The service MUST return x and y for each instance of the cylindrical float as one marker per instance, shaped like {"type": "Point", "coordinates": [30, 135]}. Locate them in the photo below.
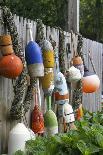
{"type": "Point", "coordinates": [48, 54]}
{"type": "Point", "coordinates": [61, 92]}
{"type": "Point", "coordinates": [33, 56]}
{"type": "Point", "coordinates": [90, 82]}
{"type": "Point", "coordinates": [48, 81]}
{"type": "Point", "coordinates": [68, 113]}
{"type": "Point", "coordinates": [6, 45]}
{"type": "Point", "coordinates": [34, 59]}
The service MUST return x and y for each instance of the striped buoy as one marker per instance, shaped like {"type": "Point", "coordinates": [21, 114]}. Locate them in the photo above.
{"type": "Point", "coordinates": [48, 81]}
{"type": "Point", "coordinates": [68, 113]}
{"type": "Point", "coordinates": [33, 56]}
{"type": "Point", "coordinates": [90, 82]}
{"type": "Point", "coordinates": [6, 45]}
{"type": "Point", "coordinates": [48, 54]}
{"type": "Point", "coordinates": [61, 92]}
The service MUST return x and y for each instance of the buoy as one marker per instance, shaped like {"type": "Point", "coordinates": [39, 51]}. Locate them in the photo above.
{"type": "Point", "coordinates": [48, 54]}
{"type": "Point", "coordinates": [37, 118]}
{"type": "Point", "coordinates": [90, 82]}
{"type": "Point", "coordinates": [73, 74]}
{"type": "Point", "coordinates": [17, 138]}
{"type": "Point", "coordinates": [61, 91]}
{"type": "Point", "coordinates": [50, 119]}
{"type": "Point", "coordinates": [33, 56]}
{"type": "Point", "coordinates": [10, 66]}
{"type": "Point", "coordinates": [47, 81]}
{"type": "Point", "coordinates": [79, 112]}
{"type": "Point", "coordinates": [78, 63]}
{"type": "Point", "coordinates": [68, 113]}
{"type": "Point", "coordinates": [6, 45]}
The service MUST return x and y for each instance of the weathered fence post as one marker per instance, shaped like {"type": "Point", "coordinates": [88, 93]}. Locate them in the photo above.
{"type": "Point", "coordinates": [73, 15]}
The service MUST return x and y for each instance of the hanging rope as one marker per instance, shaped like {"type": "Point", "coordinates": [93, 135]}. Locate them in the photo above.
{"type": "Point", "coordinates": [21, 81]}
{"type": "Point", "coordinates": [77, 93]}
{"type": "Point", "coordinates": [62, 51]}
{"type": "Point", "coordinates": [40, 32]}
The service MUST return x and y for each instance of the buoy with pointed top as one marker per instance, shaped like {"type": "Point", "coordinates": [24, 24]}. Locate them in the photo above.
{"type": "Point", "coordinates": [50, 119]}
{"type": "Point", "coordinates": [48, 54]}
{"type": "Point", "coordinates": [37, 118]}
{"type": "Point", "coordinates": [61, 91]}
{"type": "Point", "coordinates": [33, 56]}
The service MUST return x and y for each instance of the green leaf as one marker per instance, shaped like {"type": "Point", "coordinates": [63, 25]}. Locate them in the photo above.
{"type": "Point", "coordinates": [19, 152]}
{"type": "Point", "coordinates": [87, 149]}
{"type": "Point", "coordinates": [99, 139]}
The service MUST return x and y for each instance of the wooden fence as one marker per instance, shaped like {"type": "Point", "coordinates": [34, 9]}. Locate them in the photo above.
{"type": "Point", "coordinates": [91, 102]}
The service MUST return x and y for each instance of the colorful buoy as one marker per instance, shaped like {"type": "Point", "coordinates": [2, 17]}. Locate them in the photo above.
{"type": "Point", "coordinates": [48, 54]}
{"type": "Point", "coordinates": [48, 81]}
{"type": "Point", "coordinates": [10, 66]}
{"type": "Point", "coordinates": [61, 91]}
{"type": "Point", "coordinates": [33, 55]}
{"type": "Point", "coordinates": [37, 118]}
{"type": "Point", "coordinates": [90, 82]}
{"type": "Point", "coordinates": [50, 119]}
{"type": "Point", "coordinates": [34, 59]}
{"type": "Point", "coordinates": [68, 113]}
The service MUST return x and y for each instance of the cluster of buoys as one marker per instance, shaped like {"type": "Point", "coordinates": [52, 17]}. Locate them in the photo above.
{"type": "Point", "coordinates": [40, 63]}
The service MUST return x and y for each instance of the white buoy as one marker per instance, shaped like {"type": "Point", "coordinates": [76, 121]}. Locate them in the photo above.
{"type": "Point", "coordinates": [68, 113]}
{"type": "Point", "coordinates": [73, 74]}
{"type": "Point", "coordinates": [17, 138]}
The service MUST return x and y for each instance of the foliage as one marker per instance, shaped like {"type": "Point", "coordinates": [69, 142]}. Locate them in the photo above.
{"type": "Point", "coordinates": [19, 152]}
{"type": "Point", "coordinates": [86, 140]}
{"type": "Point", "coordinates": [91, 19]}
{"type": "Point", "coordinates": [55, 13]}
{"type": "Point", "coordinates": [51, 12]}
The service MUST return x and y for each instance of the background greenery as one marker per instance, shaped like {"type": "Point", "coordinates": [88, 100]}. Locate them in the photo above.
{"type": "Point", "coordinates": [54, 13]}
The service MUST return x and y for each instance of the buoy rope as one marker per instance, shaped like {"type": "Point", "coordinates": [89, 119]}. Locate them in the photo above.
{"type": "Point", "coordinates": [21, 82]}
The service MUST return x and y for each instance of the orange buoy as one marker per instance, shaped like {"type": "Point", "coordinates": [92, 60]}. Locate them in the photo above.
{"type": "Point", "coordinates": [90, 82]}
{"type": "Point", "coordinates": [6, 45]}
{"type": "Point", "coordinates": [78, 63]}
{"type": "Point", "coordinates": [37, 119]}
{"type": "Point", "coordinates": [10, 66]}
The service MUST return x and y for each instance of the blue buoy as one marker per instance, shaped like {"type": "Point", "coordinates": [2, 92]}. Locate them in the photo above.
{"type": "Point", "coordinates": [33, 54]}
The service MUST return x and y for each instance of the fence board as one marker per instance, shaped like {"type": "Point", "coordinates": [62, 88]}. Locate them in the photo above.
{"type": "Point", "coordinates": [92, 102]}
